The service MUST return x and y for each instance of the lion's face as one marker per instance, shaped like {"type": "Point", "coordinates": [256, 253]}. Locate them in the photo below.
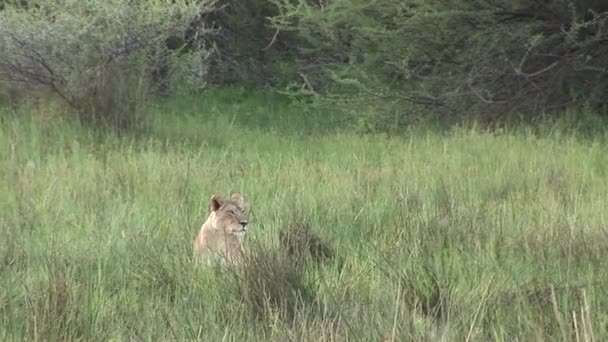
{"type": "Point", "coordinates": [230, 215]}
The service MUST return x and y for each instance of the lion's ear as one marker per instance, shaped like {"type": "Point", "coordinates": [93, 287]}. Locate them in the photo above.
{"type": "Point", "coordinates": [215, 202]}
{"type": "Point", "coordinates": [238, 198]}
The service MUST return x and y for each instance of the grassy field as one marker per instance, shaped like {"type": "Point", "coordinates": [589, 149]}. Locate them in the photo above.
{"type": "Point", "coordinates": [452, 235]}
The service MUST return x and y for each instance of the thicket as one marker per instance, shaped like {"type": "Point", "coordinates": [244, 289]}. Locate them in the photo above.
{"type": "Point", "coordinates": [100, 57]}
{"type": "Point", "coordinates": [486, 57]}
{"type": "Point", "coordinates": [491, 59]}
{"type": "Point", "coordinates": [248, 50]}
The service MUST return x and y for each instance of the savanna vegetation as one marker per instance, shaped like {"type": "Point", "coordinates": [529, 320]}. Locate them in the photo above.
{"type": "Point", "coordinates": [417, 170]}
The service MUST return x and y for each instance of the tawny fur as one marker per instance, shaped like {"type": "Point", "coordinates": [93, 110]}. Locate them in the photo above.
{"type": "Point", "coordinates": [221, 236]}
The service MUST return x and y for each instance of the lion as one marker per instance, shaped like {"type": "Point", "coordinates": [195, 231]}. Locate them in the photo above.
{"type": "Point", "coordinates": [221, 236]}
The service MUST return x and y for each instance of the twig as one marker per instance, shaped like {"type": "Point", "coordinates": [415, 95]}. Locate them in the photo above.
{"type": "Point", "coordinates": [578, 338]}
{"type": "Point", "coordinates": [307, 83]}
{"type": "Point", "coordinates": [485, 293]}
{"type": "Point", "coordinates": [584, 324]}
{"type": "Point", "coordinates": [519, 72]}
{"type": "Point", "coordinates": [396, 313]}
{"type": "Point", "coordinates": [273, 40]}
{"type": "Point", "coordinates": [558, 316]}
{"type": "Point", "coordinates": [586, 313]}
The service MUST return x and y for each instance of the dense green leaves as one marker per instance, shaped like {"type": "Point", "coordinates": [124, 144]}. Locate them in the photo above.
{"type": "Point", "coordinates": [97, 56]}
{"type": "Point", "coordinates": [487, 59]}
{"type": "Point", "coordinates": [482, 57]}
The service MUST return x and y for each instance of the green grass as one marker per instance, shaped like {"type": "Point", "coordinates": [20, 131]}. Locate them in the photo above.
{"type": "Point", "coordinates": [452, 235]}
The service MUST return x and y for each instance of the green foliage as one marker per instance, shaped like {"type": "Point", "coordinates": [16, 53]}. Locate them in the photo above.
{"type": "Point", "coordinates": [97, 56]}
{"type": "Point", "coordinates": [250, 50]}
{"type": "Point", "coordinates": [405, 61]}
{"type": "Point", "coordinates": [458, 58]}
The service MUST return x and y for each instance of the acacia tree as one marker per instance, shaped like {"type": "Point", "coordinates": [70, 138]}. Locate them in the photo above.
{"type": "Point", "coordinates": [98, 56]}
{"type": "Point", "coordinates": [489, 57]}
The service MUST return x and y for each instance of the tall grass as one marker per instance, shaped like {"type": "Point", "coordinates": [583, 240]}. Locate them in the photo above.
{"type": "Point", "coordinates": [458, 235]}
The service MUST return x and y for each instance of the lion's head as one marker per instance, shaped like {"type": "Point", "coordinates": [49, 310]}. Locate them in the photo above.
{"type": "Point", "coordinates": [229, 215]}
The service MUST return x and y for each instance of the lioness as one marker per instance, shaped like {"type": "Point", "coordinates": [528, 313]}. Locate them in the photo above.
{"type": "Point", "coordinates": [221, 236]}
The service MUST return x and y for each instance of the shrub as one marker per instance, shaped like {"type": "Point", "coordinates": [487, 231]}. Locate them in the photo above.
{"type": "Point", "coordinates": [249, 49]}
{"type": "Point", "coordinates": [98, 56]}
{"type": "Point", "coordinates": [461, 57]}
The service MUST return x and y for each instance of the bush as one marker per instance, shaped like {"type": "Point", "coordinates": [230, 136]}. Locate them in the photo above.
{"type": "Point", "coordinates": [491, 58]}
{"type": "Point", "coordinates": [249, 49]}
{"type": "Point", "coordinates": [98, 56]}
